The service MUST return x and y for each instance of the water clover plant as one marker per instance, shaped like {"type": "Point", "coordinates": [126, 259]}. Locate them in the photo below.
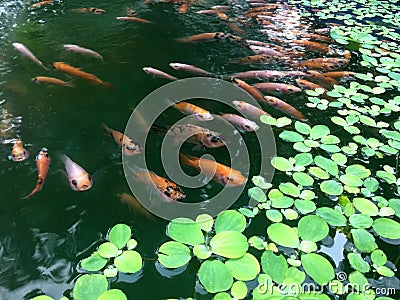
{"type": "Point", "coordinates": [219, 245]}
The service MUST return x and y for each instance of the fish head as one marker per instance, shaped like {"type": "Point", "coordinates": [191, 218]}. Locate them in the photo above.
{"type": "Point", "coordinates": [82, 183]}
{"type": "Point", "coordinates": [68, 47]}
{"type": "Point", "coordinates": [215, 140]}
{"type": "Point", "coordinates": [234, 179]}
{"type": "Point", "coordinates": [238, 104]}
{"type": "Point", "coordinates": [43, 155]}
{"type": "Point", "coordinates": [18, 152]}
{"type": "Point", "coordinates": [248, 125]}
{"type": "Point", "coordinates": [204, 116]}
{"type": "Point", "coordinates": [34, 79]}
{"type": "Point", "coordinates": [175, 66]}
{"type": "Point", "coordinates": [17, 46]}
{"type": "Point", "coordinates": [95, 10]}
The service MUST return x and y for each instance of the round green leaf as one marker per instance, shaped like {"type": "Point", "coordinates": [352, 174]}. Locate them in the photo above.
{"type": "Point", "coordinates": [308, 246]}
{"type": "Point", "coordinates": [385, 271]}
{"type": "Point", "coordinates": [378, 257]}
{"type": "Point", "coordinates": [173, 254]}
{"type": "Point", "coordinates": [131, 244]}
{"type": "Point", "coordinates": [42, 297]}
{"type": "Point", "coordinates": [358, 263]}
{"type": "Point", "coordinates": [283, 235]}
{"type": "Point", "coordinates": [331, 216]}
{"type": "Point", "coordinates": [303, 128]}
{"type": "Point", "coordinates": [339, 158]}
{"type": "Point", "coordinates": [351, 180]}
{"type": "Point", "coordinates": [230, 220]}
{"type": "Point", "coordinates": [303, 159]}
{"type": "Point", "coordinates": [110, 272]}
{"type": "Point", "coordinates": [371, 184]}
{"type": "Point", "coordinates": [327, 164]}
{"type": "Point", "coordinates": [290, 214]}
{"type": "Point", "coordinates": [319, 131]}
{"type": "Point", "coordinates": [108, 250]}
{"type": "Point", "coordinates": [303, 179]}
{"type": "Point", "coordinates": [318, 268]}
{"type": "Point", "coordinates": [304, 206]}
{"type": "Point", "coordinates": [223, 295]}
{"type": "Point", "coordinates": [94, 262]}
{"type": "Point", "coordinates": [363, 240]}
{"type": "Point", "coordinates": [205, 222]}
{"type": "Point", "coordinates": [113, 294]}
{"type": "Point", "coordinates": [239, 290]}
{"type": "Point", "coordinates": [395, 205]}
{"type": "Point", "coordinates": [291, 136]}
{"type": "Point", "coordinates": [365, 206]}
{"type": "Point", "coordinates": [358, 170]}
{"type": "Point", "coordinates": [290, 189]}
{"type": "Point", "coordinates": [215, 276]}
{"type": "Point", "coordinates": [201, 251]}
{"type": "Point", "coordinates": [312, 228]}
{"type": "Point", "coordinates": [119, 235]}
{"type": "Point", "coordinates": [257, 194]}
{"type": "Point", "coordinates": [318, 172]}
{"type": "Point", "coordinates": [274, 265]}
{"type": "Point", "coordinates": [229, 244]}
{"type": "Point", "coordinates": [90, 287]}
{"type": "Point", "coordinates": [387, 228]}
{"type": "Point", "coordinates": [129, 261]}
{"type": "Point", "coordinates": [331, 187]}
{"type": "Point", "coordinates": [185, 231]}
{"type": "Point", "coordinates": [359, 281]}
{"type": "Point", "coordinates": [360, 221]}
{"type": "Point", "coordinates": [282, 164]}
{"type": "Point", "coordinates": [244, 268]}
{"type": "Point", "coordinates": [274, 215]}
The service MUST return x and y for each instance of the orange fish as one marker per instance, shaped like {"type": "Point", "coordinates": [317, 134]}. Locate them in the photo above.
{"type": "Point", "coordinates": [276, 88]}
{"type": "Point", "coordinates": [135, 19]}
{"type": "Point", "coordinates": [313, 46]}
{"type": "Point", "coordinates": [92, 10]}
{"type": "Point", "coordinates": [42, 163]}
{"type": "Point", "coordinates": [41, 3]}
{"type": "Point", "coordinates": [220, 173]}
{"type": "Point", "coordinates": [51, 80]}
{"type": "Point", "coordinates": [183, 8]}
{"type": "Point", "coordinates": [249, 109]}
{"type": "Point", "coordinates": [129, 146]}
{"type": "Point", "coordinates": [284, 107]}
{"type": "Point", "coordinates": [212, 36]}
{"type": "Point", "coordinates": [250, 89]}
{"type": "Point", "coordinates": [308, 85]}
{"type": "Point", "coordinates": [321, 79]}
{"type": "Point", "coordinates": [135, 205]}
{"type": "Point", "coordinates": [338, 74]}
{"type": "Point", "coordinates": [76, 72]}
{"type": "Point", "coordinates": [322, 63]}
{"type": "Point", "coordinates": [18, 152]}
{"type": "Point", "coordinates": [190, 109]}
{"type": "Point", "coordinates": [167, 189]}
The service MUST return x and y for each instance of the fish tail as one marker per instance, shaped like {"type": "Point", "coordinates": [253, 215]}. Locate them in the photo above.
{"type": "Point", "coordinates": [106, 84]}
{"type": "Point", "coordinates": [106, 128]}
{"type": "Point", "coordinates": [70, 84]}
{"type": "Point", "coordinates": [186, 160]}
{"type": "Point", "coordinates": [37, 188]}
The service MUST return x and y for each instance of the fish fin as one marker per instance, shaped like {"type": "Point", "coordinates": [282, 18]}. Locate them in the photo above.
{"type": "Point", "coordinates": [159, 129]}
{"type": "Point", "coordinates": [107, 85]}
{"type": "Point", "coordinates": [186, 160]}
{"type": "Point", "coordinates": [70, 83]}
{"type": "Point", "coordinates": [106, 128]}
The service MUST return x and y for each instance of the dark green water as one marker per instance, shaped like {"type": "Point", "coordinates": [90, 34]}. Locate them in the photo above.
{"type": "Point", "coordinates": [42, 239]}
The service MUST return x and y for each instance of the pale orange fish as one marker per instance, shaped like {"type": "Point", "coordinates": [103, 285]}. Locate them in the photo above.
{"type": "Point", "coordinates": [169, 190]}
{"type": "Point", "coordinates": [21, 48]}
{"type": "Point", "coordinates": [261, 58]}
{"type": "Point", "coordinates": [284, 107]}
{"type": "Point", "coordinates": [316, 37]}
{"type": "Point", "coordinates": [339, 74]}
{"type": "Point", "coordinates": [183, 8]}
{"type": "Point", "coordinates": [322, 63]}
{"type": "Point", "coordinates": [308, 85]}
{"type": "Point", "coordinates": [190, 109]}
{"type": "Point", "coordinates": [134, 19]}
{"type": "Point", "coordinates": [325, 81]}
{"type": "Point", "coordinates": [129, 146]}
{"type": "Point", "coordinates": [268, 74]}
{"type": "Point", "coordinates": [42, 163]}
{"type": "Point", "coordinates": [135, 205]}
{"type": "Point", "coordinates": [249, 89]}
{"type": "Point", "coordinates": [189, 68]}
{"type": "Point", "coordinates": [78, 178]}
{"type": "Point", "coordinates": [51, 80]}
{"type": "Point", "coordinates": [313, 46]}
{"type": "Point", "coordinates": [76, 72]}
{"type": "Point", "coordinates": [250, 109]}
{"type": "Point", "coordinates": [240, 122]}
{"type": "Point", "coordinates": [91, 10]}
{"type": "Point", "coordinates": [158, 73]}
{"type": "Point", "coordinates": [276, 88]}
{"type": "Point", "coordinates": [220, 173]}
{"type": "Point", "coordinates": [219, 14]}
{"type": "Point", "coordinates": [265, 50]}
{"type": "Point", "coordinates": [18, 152]}
{"type": "Point", "coordinates": [41, 3]}
{"type": "Point", "coordinates": [212, 36]}
{"type": "Point", "coordinates": [82, 50]}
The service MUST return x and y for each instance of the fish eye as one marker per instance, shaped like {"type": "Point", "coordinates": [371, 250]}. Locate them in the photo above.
{"type": "Point", "coordinates": [215, 139]}
{"type": "Point", "coordinates": [24, 152]}
{"type": "Point", "coordinates": [166, 193]}
{"type": "Point", "coordinates": [89, 177]}
{"type": "Point", "coordinates": [13, 155]}
{"type": "Point", "coordinates": [229, 178]}
{"type": "Point", "coordinates": [46, 155]}
{"type": "Point", "coordinates": [74, 182]}
{"type": "Point", "coordinates": [247, 126]}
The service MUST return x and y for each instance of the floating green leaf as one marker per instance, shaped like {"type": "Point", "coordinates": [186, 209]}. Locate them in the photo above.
{"type": "Point", "coordinates": [304, 206]}
{"type": "Point", "coordinates": [244, 268]}
{"type": "Point", "coordinates": [378, 257]}
{"type": "Point", "coordinates": [312, 228]}
{"type": "Point", "coordinates": [365, 206]}
{"type": "Point", "coordinates": [185, 231]}
{"type": "Point", "coordinates": [205, 222]}
{"type": "Point", "coordinates": [318, 268]}
{"type": "Point", "coordinates": [290, 189]}
{"type": "Point", "coordinates": [303, 179]}
{"type": "Point", "coordinates": [229, 244]}
{"type": "Point", "coordinates": [257, 194]}
{"type": "Point", "coordinates": [303, 128]}
{"type": "Point", "coordinates": [332, 216]}
{"type": "Point", "coordinates": [303, 159]}
{"type": "Point", "coordinates": [108, 250]}
{"type": "Point", "coordinates": [360, 221]}
{"type": "Point", "coordinates": [274, 265]}
{"type": "Point", "coordinates": [387, 228]}
{"type": "Point", "coordinates": [202, 251]}
{"type": "Point", "coordinates": [119, 235]}
{"type": "Point", "coordinates": [282, 164]}
{"type": "Point", "coordinates": [230, 220]}
{"type": "Point", "coordinates": [215, 276]}
{"type": "Point", "coordinates": [291, 136]}
{"type": "Point", "coordinates": [319, 131]}
{"type": "Point", "coordinates": [129, 261]}
{"type": "Point", "coordinates": [358, 263]}
{"type": "Point", "coordinates": [274, 215]}
{"type": "Point", "coordinates": [331, 187]}
{"type": "Point", "coordinates": [283, 235]}
{"type": "Point", "coordinates": [318, 172]}
{"type": "Point", "coordinates": [113, 294]}
{"type": "Point", "coordinates": [90, 287]}
{"type": "Point", "coordinates": [173, 254]}
{"type": "Point", "coordinates": [239, 290]}
{"type": "Point", "coordinates": [385, 271]}
{"type": "Point", "coordinates": [363, 240]}
{"type": "Point", "coordinates": [327, 164]}
{"type": "Point", "coordinates": [94, 262]}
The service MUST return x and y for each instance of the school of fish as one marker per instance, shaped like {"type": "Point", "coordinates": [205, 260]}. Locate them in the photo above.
{"type": "Point", "coordinates": [292, 56]}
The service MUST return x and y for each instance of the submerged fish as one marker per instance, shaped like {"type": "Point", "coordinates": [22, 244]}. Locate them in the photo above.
{"type": "Point", "coordinates": [249, 89]}
{"type": "Point", "coordinates": [268, 74]}
{"type": "Point", "coordinates": [79, 49]}
{"type": "Point", "coordinates": [51, 80]}
{"type": "Point", "coordinates": [129, 146]}
{"type": "Point", "coordinates": [195, 135]}
{"type": "Point", "coordinates": [220, 173]}
{"type": "Point", "coordinates": [323, 63]}
{"type": "Point", "coordinates": [41, 3]}
{"type": "Point", "coordinates": [324, 81]}
{"type": "Point", "coordinates": [250, 109]}
{"type": "Point", "coordinates": [276, 88]}
{"type": "Point", "coordinates": [18, 152]}
{"type": "Point", "coordinates": [313, 46]}
{"type": "Point", "coordinates": [78, 178]}
{"type": "Point", "coordinates": [42, 163]}
{"type": "Point", "coordinates": [189, 69]}
{"type": "Point", "coordinates": [190, 109]}
{"type": "Point", "coordinates": [308, 85]}
{"type": "Point", "coordinates": [135, 205]}
{"type": "Point", "coordinates": [166, 188]}
{"type": "Point", "coordinates": [155, 72]}
{"type": "Point", "coordinates": [134, 19]}
{"type": "Point", "coordinates": [21, 48]}
{"type": "Point", "coordinates": [339, 74]}
{"type": "Point", "coordinates": [213, 36]}
{"type": "Point", "coordinates": [76, 72]}
{"type": "Point", "coordinates": [91, 10]}
{"type": "Point", "coordinates": [284, 107]}
{"type": "Point", "coordinates": [240, 122]}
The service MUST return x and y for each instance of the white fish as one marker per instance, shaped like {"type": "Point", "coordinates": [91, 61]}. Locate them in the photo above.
{"type": "Point", "coordinates": [189, 68]}
{"type": "Point", "coordinates": [250, 109]}
{"type": "Point", "coordinates": [79, 49]}
{"type": "Point", "coordinates": [79, 179]}
{"type": "Point", "coordinates": [155, 72]}
{"type": "Point", "coordinates": [21, 48]}
{"type": "Point", "coordinates": [240, 122]}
